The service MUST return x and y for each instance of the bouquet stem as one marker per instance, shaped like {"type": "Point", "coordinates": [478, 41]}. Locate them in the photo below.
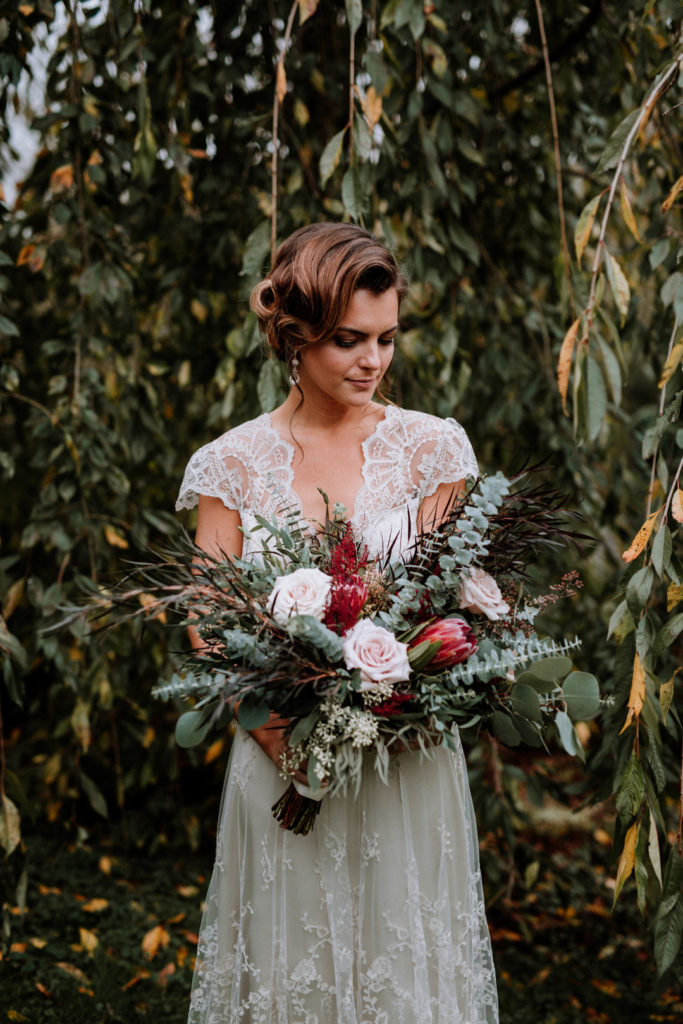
{"type": "Point", "coordinates": [295, 812]}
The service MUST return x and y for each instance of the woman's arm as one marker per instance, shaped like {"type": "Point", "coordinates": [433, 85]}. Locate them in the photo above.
{"type": "Point", "coordinates": [219, 534]}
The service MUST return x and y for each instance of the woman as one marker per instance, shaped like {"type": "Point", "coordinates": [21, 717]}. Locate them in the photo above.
{"type": "Point", "coordinates": [376, 916]}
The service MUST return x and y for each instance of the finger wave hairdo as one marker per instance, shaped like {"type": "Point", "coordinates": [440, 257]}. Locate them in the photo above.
{"type": "Point", "coordinates": [314, 275]}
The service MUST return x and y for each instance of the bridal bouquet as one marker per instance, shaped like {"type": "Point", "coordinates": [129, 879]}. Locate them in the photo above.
{"type": "Point", "coordinates": [366, 656]}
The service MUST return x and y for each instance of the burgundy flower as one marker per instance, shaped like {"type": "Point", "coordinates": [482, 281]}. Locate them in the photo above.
{"type": "Point", "coordinates": [457, 642]}
{"type": "Point", "coordinates": [344, 604]}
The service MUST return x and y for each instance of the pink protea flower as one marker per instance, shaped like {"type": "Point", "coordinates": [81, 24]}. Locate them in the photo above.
{"type": "Point", "coordinates": [456, 638]}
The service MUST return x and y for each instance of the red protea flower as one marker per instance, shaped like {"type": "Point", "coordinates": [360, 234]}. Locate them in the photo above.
{"type": "Point", "coordinates": [456, 639]}
{"type": "Point", "coordinates": [344, 604]}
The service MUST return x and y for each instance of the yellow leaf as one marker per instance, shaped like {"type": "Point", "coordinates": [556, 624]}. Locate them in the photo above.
{"type": "Point", "coordinates": [25, 255]}
{"type": "Point", "coordinates": [669, 201]}
{"type": "Point", "coordinates": [584, 226]}
{"type": "Point", "coordinates": [114, 537]}
{"type": "Point", "coordinates": [10, 831]}
{"type": "Point", "coordinates": [677, 505]}
{"type": "Point", "coordinates": [74, 971]}
{"type": "Point", "coordinates": [280, 81]}
{"type": "Point", "coordinates": [666, 694]}
{"type": "Point", "coordinates": [636, 697]}
{"type": "Point", "coordinates": [80, 721]}
{"type": "Point", "coordinates": [88, 939]}
{"type": "Point", "coordinates": [105, 865]}
{"type": "Point", "coordinates": [627, 212]}
{"type": "Point", "coordinates": [618, 281]}
{"type": "Point", "coordinates": [199, 310]}
{"type": "Point", "coordinates": [12, 598]}
{"type": "Point", "coordinates": [673, 595]}
{"type": "Point", "coordinates": [155, 939]}
{"type": "Point", "coordinates": [214, 751]}
{"type": "Point", "coordinates": [564, 363]}
{"type": "Point", "coordinates": [186, 185]}
{"type": "Point", "coordinates": [641, 538]}
{"type": "Point", "coordinates": [627, 859]}
{"type": "Point", "coordinates": [62, 178]}
{"type": "Point", "coordinates": [306, 9]}
{"type": "Point", "coordinates": [372, 106]}
{"type": "Point", "coordinates": [38, 943]}
{"type": "Point", "coordinates": [150, 603]}
{"type": "Point", "coordinates": [674, 358]}
{"type": "Point", "coordinates": [96, 904]}
{"type": "Point", "coordinates": [188, 891]}
{"type": "Point", "coordinates": [16, 1016]}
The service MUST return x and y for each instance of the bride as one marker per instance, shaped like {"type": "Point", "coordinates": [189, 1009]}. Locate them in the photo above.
{"type": "Point", "coordinates": [376, 916]}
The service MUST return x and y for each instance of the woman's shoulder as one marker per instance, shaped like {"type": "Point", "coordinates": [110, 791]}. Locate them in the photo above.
{"type": "Point", "coordinates": [424, 425]}
{"type": "Point", "coordinates": [221, 468]}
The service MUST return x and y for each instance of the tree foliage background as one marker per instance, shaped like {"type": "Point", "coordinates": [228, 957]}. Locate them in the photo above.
{"type": "Point", "coordinates": [126, 342]}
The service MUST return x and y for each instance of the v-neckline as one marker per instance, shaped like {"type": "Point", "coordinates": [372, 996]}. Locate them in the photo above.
{"type": "Point", "coordinates": [364, 461]}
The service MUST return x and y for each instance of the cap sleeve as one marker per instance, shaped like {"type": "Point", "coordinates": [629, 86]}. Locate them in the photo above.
{"type": "Point", "coordinates": [215, 472]}
{"type": "Point", "coordinates": [446, 461]}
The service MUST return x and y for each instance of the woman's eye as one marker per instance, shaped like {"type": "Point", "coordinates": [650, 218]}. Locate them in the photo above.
{"type": "Point", "coordinates": [387, 341]}
{"type": "Point", "coordinates": [340, 343]}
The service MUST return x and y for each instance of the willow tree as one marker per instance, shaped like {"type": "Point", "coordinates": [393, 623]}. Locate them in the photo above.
{"type": "Point", "coordinates": [530, 188]}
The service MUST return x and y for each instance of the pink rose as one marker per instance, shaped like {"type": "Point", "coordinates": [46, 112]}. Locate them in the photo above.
{"type": "Point", "coordinates": [302, 592]}
{"type": "Point", "coordinates": [479, 593]}
{"type": "Point", "coordinates": [456, 638]}
{"type": "Point", "coordinates": [380, 657]}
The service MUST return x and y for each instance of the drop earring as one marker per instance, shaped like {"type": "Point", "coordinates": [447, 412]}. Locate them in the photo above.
{"type": "Point", "coordinates": [293, 371]}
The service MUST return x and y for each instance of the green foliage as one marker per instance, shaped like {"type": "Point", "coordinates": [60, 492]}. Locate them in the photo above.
{"type": "Point", "coordinates": [125, 340]}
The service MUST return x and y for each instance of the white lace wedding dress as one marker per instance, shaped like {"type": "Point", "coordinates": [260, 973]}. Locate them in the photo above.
{"type": "Point", "coordinates": [376, 916]}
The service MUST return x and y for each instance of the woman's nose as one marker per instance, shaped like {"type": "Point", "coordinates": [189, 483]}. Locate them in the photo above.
{"type": "Point", "coordinates": [370, 355]}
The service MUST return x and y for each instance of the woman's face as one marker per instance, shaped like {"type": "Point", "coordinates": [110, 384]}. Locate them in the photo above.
{"type": "Point", "coordinates": [348, 367]}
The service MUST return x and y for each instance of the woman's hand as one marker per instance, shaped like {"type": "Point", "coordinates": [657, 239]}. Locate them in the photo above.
{"type": "Point", "coordinates": [272, 740]}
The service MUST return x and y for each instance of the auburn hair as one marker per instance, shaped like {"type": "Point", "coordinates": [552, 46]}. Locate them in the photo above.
{"type": "Point", "coordinates": [314, 275]}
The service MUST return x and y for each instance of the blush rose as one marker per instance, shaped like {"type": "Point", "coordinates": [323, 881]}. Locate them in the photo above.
{"type": "Point", "coordinates": [480, 593]}
{"type": "Point", "coordinates": [302, 592]}
{"type": "Point", "coordinates": [380, 657]}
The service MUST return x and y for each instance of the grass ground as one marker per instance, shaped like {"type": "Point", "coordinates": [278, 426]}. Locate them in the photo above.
{"type": "Point", "coordinates": [108, 940]}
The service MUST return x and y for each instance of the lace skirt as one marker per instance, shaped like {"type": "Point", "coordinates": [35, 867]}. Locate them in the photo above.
{"type": "Point", "coordinates": [375, 917]}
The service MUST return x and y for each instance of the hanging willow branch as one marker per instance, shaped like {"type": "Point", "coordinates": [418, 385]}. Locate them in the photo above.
{"type": "Point", "coordinates": [556, 149]}
{"type": "Point", "coordinates": [279, 95]}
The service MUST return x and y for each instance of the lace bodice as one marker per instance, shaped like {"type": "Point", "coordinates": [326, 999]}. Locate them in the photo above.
{"type": "Point", "coordinates": [405, 458]}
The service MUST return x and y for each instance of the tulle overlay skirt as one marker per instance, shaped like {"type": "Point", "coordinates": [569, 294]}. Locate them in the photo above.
{"type": "Point", "coordinates": [375, 917]}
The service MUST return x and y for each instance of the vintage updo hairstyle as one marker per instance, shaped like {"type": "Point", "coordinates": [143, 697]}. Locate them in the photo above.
{"type": "Point", "coordinates": [314, 275]}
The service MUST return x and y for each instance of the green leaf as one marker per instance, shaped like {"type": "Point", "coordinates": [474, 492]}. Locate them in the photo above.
{"type": "Point", "coordinates": [330, 156]}
{"type": "Point", "coordinates": [548, 670]}
{"type": "Point", "coordinates": [661, 550]}
{"type": "Point", "coordinates": [615, 144]}
{"type": "Point", "coordinates": [504, 729]}
{"type": "Point", "coordinates": [621, 622]}
{"type": "Point", "coordinates": [269, 385]}
{"type": "Point", "coordinates": [354, 15]}
{"type": "Point", "coordinates": [94, 795]}
{"type": "Point", "coordinates": [653, 849]}
{"type": "Point", "coordinates": [582, 694]}
{"type": "Point", "coordinates": [303, 728]}
{"type": "Point", "coordinates": [191, 728]}
{"type": "Point", "coordinates": [668, 933]}
{"type": "Point", "coordinates": [8, 328]}
{"type": "Point", "coordinates": [595, 397]}
{"type": "Point", "coordinates": [568, 736]}
{"type": "Point", "coordinates": [668, 633]}
{"type": "Point", "coordinates": [256, 250]}
{"type": "Point", "coordinates": [638, 590]}
{"type": "Point", "coordinates": [631, 789]}
{"type": "Point", "coordinates": [524, 700]}
{"type": "Point", "coordinates": [352, 193]}
{"type": "Point", "coordinates": [252, 713]}
{"type": "Point", "coordinates": [612, 370]}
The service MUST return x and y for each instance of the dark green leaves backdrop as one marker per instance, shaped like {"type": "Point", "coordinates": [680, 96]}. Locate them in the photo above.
{"type": "Point", "coordinates": [126, 342]}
